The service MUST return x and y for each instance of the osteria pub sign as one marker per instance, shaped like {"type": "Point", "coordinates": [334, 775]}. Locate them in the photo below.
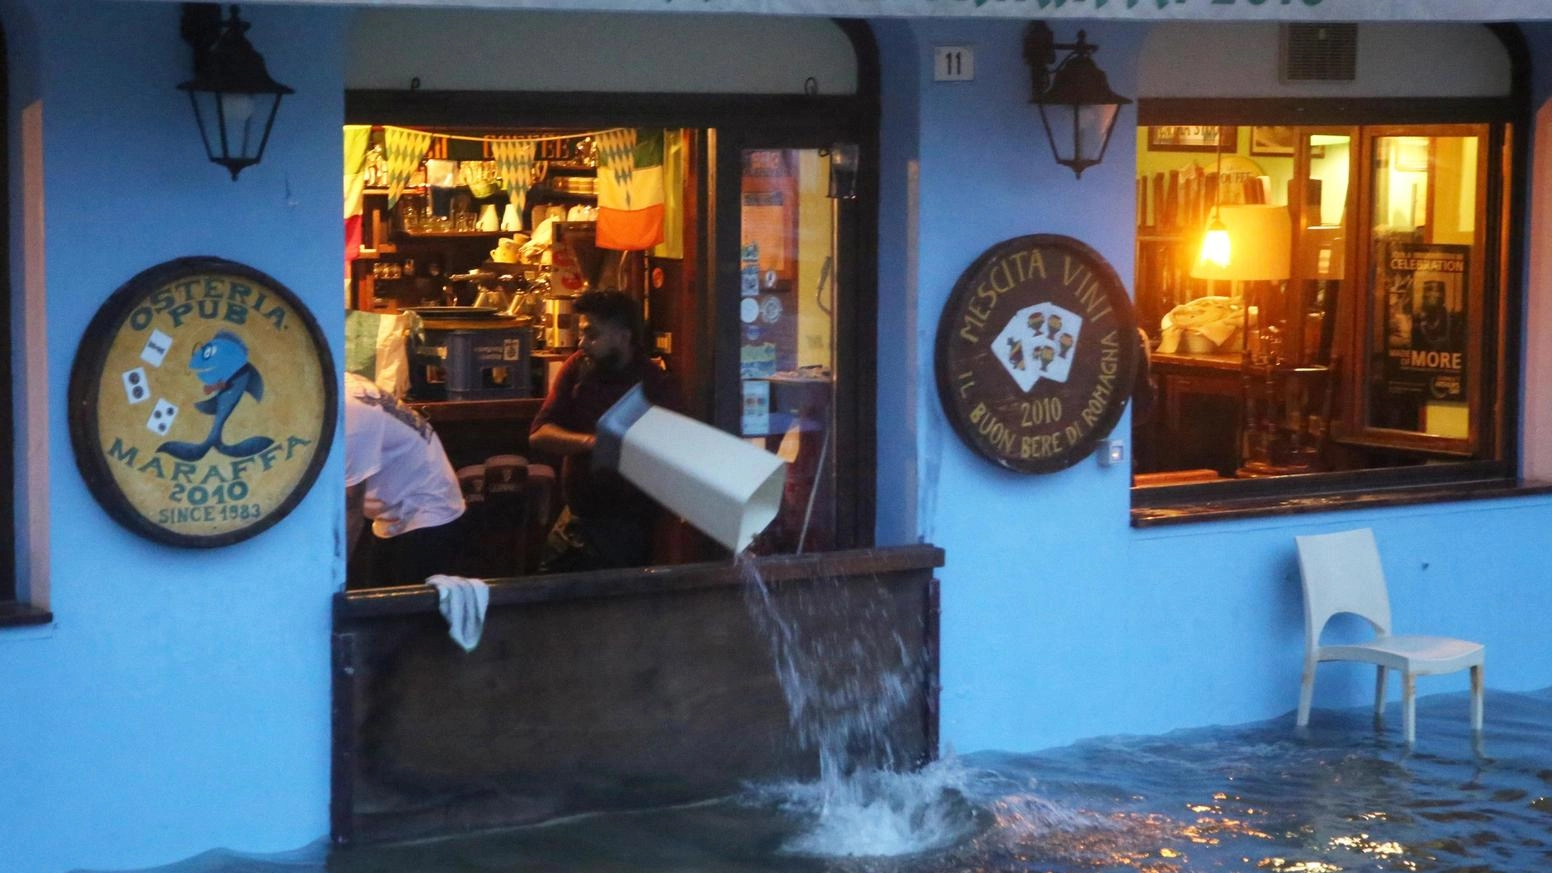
{"type": "Point", "coordinates": [1037, 347]}
{"type": "Point", "coordinates": [202, 402]}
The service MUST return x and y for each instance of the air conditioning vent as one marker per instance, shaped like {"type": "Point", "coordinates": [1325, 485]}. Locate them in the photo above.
{"type": "Point", "coordinates": [1319, 52]}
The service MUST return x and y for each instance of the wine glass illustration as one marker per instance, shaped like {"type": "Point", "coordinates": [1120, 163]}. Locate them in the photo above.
{"type": "Point", "coordinates": [1047, 355]}
{"type": "Point", "coordinates": [1053, 325]}
{"type": "Point", "coordinates": [1065, 340]}
{"type": "Point", "coordinates": [1016, 353]}
{"type": "Point", "coordinates": [1036, 321]}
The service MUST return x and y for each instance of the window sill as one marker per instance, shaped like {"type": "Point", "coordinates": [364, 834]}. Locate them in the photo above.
{"type": "Point", "coordinates": [1219, 501]}
{"type": "Point", "coordinates": [14, 614]}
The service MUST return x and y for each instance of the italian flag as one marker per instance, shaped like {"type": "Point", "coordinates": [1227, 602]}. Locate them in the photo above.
{"type": "Point", "coordinates": [630, 189]}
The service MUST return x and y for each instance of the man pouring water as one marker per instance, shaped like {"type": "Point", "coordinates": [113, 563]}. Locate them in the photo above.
{"type": "Point", "coordinates": [607, 522]}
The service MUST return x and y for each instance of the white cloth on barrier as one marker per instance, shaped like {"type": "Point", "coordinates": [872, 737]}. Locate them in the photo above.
{"type": "Point", "coordinates": [463, 602]}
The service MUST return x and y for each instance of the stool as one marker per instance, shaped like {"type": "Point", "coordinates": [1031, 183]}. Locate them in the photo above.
{"type": "Point", "coordinates": [501, 540]}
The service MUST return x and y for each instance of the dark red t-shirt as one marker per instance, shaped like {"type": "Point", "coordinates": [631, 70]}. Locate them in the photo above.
{"type": "Point", "coordinates": [582, 393]}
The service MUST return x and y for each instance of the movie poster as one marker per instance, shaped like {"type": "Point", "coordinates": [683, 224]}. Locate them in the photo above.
{"type": "Point", "coordinates": [1425, 325]}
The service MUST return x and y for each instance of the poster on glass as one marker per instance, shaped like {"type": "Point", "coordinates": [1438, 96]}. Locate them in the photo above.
{"type": "Point", "coordinates": [1425, 320]}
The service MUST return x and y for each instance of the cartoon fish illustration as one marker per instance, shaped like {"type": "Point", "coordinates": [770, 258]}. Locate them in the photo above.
{"type": "Point", "coordinates": [222, 365]}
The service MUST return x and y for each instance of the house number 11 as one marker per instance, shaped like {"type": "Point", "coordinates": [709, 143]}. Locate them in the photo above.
{"type": "Point", "coordinates": [953, 63]}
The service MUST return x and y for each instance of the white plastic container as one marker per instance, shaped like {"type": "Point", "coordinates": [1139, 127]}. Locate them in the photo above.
{"type": "Point", "coordinates": [727, 488]}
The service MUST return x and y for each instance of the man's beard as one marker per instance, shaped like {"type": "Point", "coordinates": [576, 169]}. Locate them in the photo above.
{"type": "Point", "coordinates": [611, 360]}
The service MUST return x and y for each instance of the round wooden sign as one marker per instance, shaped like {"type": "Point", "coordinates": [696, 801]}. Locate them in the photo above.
{"type": "Point", "coordinates": [1036, 352]}
{"type": "Point", "coordinates": [202, 402]}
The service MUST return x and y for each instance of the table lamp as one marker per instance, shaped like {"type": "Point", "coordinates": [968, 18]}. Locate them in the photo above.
{"type": "Point", "coordinates": [1260, 247]}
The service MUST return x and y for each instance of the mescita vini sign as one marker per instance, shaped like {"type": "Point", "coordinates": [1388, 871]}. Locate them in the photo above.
{"type": "Point", "coordinates": [202, 402]}
{"type": "Point", "coordinates": [1036, 352]}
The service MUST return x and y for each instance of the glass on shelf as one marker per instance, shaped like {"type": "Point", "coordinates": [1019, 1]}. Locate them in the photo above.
{"type": "Point", "coordinates": [413, 212]}
{"type": "Point", "coordinates": [463, 218]}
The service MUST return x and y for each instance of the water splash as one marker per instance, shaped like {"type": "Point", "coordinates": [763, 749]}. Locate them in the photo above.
{"type": "Point", "coordinates": [844, 690]}
{"type": "Point", "coordinates": [875, 812]}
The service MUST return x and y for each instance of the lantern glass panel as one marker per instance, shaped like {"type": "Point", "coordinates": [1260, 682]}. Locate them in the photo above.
{"type": "Point", "coordinates": [233, 125]}
{"type": "Point", "coordinates": [1094, 123]}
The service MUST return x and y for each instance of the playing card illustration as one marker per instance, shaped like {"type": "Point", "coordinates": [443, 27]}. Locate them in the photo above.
{"type": "Point", "coordinates": [156, 348]}
{"type": "Point", "coordinates": [135, 387]}
{"type": "Point", "coordinates": [161, 417]}
{"type": "Point", "coordinates": [1015, 353]}
{"type": "Point", "coordinates": [1038, 343]}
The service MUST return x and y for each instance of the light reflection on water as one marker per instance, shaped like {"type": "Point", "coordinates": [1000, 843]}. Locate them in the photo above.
{"type": "Point", "coordinates": [1250, 798]}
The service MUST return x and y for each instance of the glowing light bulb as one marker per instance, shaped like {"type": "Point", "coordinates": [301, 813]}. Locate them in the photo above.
{"type": "Point", "coordinates": [236, 108]}
{"type": "Point", "coordinates": [1215, 245]}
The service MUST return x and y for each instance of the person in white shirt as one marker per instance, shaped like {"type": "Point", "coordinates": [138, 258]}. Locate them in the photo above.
{"type": "Point", "coordinates": [398, 477]}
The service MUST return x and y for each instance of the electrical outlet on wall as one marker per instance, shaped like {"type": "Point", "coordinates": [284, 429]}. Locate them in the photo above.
{"type": "Point", "coordinates": [1111, 452]}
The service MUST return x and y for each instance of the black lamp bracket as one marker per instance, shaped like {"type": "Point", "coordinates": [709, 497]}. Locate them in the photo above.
{"type": "Point", "coordinates": [1040, 48]}
{"type": "Point", "coordinates": [201, 27]}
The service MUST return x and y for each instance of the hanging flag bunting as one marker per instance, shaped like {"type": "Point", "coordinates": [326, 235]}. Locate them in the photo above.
{"type": "Point", "coordinates": [515, 163]}
{"type": "Point", "coordinates": [402, 150]}
{"type": "Point", "coordinates": [630, 189]}
{"type": "Point", "coordinates": [356, 136]}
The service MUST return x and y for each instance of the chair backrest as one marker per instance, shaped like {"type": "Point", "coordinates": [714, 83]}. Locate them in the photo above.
{"type": "Point", "coordinates": [1342, 573]}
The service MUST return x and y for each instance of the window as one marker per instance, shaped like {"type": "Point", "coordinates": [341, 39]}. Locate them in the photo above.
{"type": "Point", "coordinates": [761, 313]}
{"type": "Point", "coordinates": [1423, 323]}
{"type": "Point", "coordinates": [1362, 349]}
{"type": "Point", "coordinates": [787, 292]}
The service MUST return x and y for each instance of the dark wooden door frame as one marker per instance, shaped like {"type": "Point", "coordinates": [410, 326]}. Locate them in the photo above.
{"type": "Point", "coordinates": [10, 610]}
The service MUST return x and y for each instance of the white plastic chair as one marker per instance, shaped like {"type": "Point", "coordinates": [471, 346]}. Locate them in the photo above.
{"type": "Point", "coordinates": [1342, 573]}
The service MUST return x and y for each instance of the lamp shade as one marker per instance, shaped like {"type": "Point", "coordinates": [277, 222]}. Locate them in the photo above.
{"type": "Point", "coordinates": [1260, 243]}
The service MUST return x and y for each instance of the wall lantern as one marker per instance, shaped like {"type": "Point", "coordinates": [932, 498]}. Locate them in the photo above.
{"type": "Point", "coordinates": [234, 98]}
{"type": "Point", "coordinates": [1076, 104]}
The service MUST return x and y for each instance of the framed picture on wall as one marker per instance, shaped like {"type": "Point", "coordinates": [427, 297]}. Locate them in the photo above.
{"type": "Point", "coordinates": [1191, 137]}
{"type": "Point", "coordinates": [1279, 141]}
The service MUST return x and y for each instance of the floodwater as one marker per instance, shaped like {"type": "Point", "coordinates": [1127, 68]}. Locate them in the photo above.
{"type": "Point", "coordinates": [1341, 796]}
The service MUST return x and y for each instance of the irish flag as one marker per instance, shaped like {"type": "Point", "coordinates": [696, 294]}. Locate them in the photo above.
{"type": "Point", "coordinates": [630, 189]}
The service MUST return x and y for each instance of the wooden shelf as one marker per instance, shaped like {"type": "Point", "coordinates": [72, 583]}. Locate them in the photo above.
{"type": "Point", "coordinates": [450, 234]}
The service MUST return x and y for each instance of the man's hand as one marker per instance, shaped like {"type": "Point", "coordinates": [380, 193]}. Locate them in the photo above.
{"type": "Point", "coordinates": [556, 440]}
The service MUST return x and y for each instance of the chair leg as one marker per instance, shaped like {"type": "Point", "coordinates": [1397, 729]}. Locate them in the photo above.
{"type": "Point", "coordinates": [1306, 693]}
{"type": "Point", "coordinates": [1476, 699]}
{"type": "Point", "coordinates": [1408, 706]}
{"type": "Point", "coordinates": [1379, 693]}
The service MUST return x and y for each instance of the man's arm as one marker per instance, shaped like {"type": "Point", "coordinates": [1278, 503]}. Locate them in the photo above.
{"type": "Point", "coordinates": [545, 435]}
{"type": "Point", "coordinates": [553, 439]}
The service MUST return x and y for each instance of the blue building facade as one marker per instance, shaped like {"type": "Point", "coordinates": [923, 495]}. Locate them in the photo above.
{"type": "Point", "coordinates": [178, 700]}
